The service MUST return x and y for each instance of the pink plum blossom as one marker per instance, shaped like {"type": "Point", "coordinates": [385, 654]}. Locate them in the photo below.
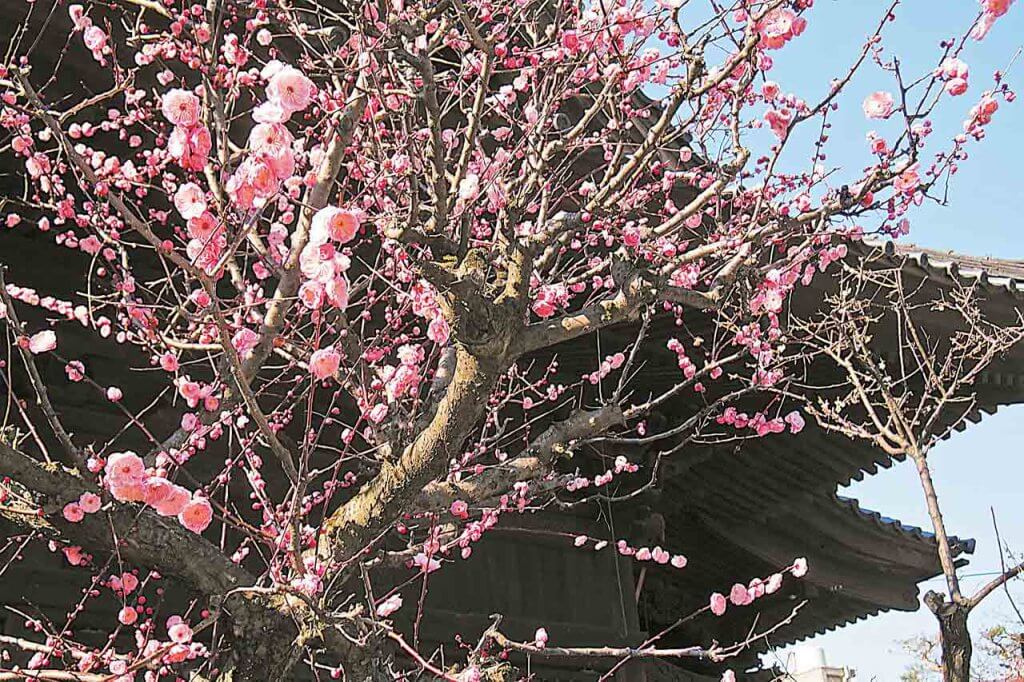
{"type": "Point", "coordinates": [74, 555]}
{"type": "Point", "coordinates": [336, 291]}
{"type": "Point", "coordinates": [245, 341]}
{"type": "Point", "coordinates": [992, 10]}
{"type": "Point", "coordinates": [165, 497]}
{"type": "Point", "coordinates": [334, 223]}
{"type": "Point", "coordinates": [95, 39]}
{"type": "Point", "coordinates": [77, 14]}
{"type": "Point", "coordinates": [181, 107]}
{"type": "Point", "coordinates": [75, 371]}
{"type": "Point", "coordinates": [180, 633]}
{"type": "Point", "coordinates": [908, 181]}
{"type": "Point", "coordinates": [190, 200]}
{"type": "Point", "coordinates": [169, 362]}
{"type": "Point", "coordinates": [254, 181]}
{"type": "Point", "coordinates": [953, 68]}
{"type": "Point", "coordinates": [89, 502]}
{"type": "Point", "coordinates": [956, 86]}
{"type": "Point", "coordinates": [312, 294]}
{"type": "Point", "coordinates": [73, 512]}
{"type": "Point", "coordinates": [878, 105]}
{"type": "Point", "coordinates": [438, 331]}
{"type": "Point", "coordinates": [540, 638]}
{"type": "Point", "coordinates": [739, 595]}
{"type": "Point", "coordinates": [389, 605]}
{"type": "Point", "coordinates": [190, 146]}
{"type": "Point", "coordinates": [324, 362]}
{"type": "Point", "coordinates": [780, 26]}
{"type": "Point", "coordinates": [779, 120]}
{"type": "Point", "coordinates": [196, 514]}
{"type": "Point", "coordinates": [270, 138]}
{"type": "Point", "coordinates": [717, 604]}
{"type": "Point", "coordinates": [127, 490]}
{"type": "Point", "coordinates": [128, 582]}
{"type": "Point", "coordinates": [290, 89]}
{"type": "Point", "coordinates": [125, 466]}
{"type": "Point", "coordinates": [203, 226]}
{"type": "Point", "coordinates": [157, 488]}
{"type": "Point", "coordinates": [42, 342]}
{"type": "Point", "coordinates": [270, 113]}
{"type": "Point", "coordinates": [459, 509]}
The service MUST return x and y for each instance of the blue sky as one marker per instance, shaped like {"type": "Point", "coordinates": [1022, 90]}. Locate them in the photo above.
{"type": "Point", "coordinates": [981, 468]}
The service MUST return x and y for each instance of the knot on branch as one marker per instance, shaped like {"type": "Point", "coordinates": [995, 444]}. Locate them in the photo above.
{"type": "Point", "coordinates": [263, 631]}
{"type": "Point", "coordinates": [480, 322]}
{"type": "Point", "coordinates": [938, 604]}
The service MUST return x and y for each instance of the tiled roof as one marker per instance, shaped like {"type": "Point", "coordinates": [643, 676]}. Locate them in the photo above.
{"type": "Point", "coordinates": [780, 492]}
{"type": "Point", "coordinates": [898, 528]}
{"type": "Point", "coordinates": [994, 272]}
{"type": "Point", "coordinates": [996, 275]}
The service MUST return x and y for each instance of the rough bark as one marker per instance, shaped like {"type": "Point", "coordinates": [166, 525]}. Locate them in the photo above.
{"type": "Point", "coordinates": [143, 537]}
{"type": "Point", "coordinates": [956, 647]}
{"type": "Point", "coordinates": [954, 637]}
{"type": "Point", "coordinates": [265, 630]}
{"type": "Point", "coordinates": [952, 613]}
{"type": "Point", "coordinates": [263, 643]}
{"type": "Point", "coordinates": [399, 482]}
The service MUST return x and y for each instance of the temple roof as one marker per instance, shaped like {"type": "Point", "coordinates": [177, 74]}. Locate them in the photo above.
{"type": "Point", "coordinates": [899, 529]}
{"type": "Point", "coordinates": [740, 511]}
{"type": "Point", "coordinates": [994, 273]}
{"type": "Point", "coordinates": [736, 512]}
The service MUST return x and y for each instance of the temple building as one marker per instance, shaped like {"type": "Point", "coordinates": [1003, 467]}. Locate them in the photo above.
{"type": "Point", "coordinates": [736, 512]}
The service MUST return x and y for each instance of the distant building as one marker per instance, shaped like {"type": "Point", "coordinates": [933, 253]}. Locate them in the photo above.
{"type": "Point", "coordinates": [808, 664]}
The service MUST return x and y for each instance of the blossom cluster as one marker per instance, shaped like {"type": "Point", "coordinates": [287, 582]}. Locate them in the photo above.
{"type": "Point", "coordinates": [128, 480]}
{"type": "Point", "coordinates": [991, 10]}
{"type": "Point", "coordinates": [94, 37]}
{"type": "Point", "coordinates": [620, 466]}
{"type": "Point", "coordinates": [744, 595]}
{"type": "Point", "coordinates": [656, 554]}
{"type": "Point", "coordinates": [760, 423]}
{"type": "Point", "coordinates": [781, 25]}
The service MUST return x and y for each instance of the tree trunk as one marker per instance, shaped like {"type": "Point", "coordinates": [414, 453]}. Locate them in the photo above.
{"type": "Point", "coordinates": [269, 633]}
{"type": "Point", "coordinates": [955, 640]}
{"type": "Point", "coordinates": [263, 640]}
